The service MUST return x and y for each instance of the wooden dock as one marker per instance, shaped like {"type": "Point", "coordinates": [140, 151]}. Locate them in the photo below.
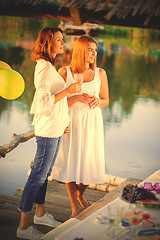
{"type": "Point", "coordinates": [57, 204]}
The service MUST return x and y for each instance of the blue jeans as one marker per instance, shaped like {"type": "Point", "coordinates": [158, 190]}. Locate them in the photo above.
{"type": "Point", "coordinates": [36, 185]}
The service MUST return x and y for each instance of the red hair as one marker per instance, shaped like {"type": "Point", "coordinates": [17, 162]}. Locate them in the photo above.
{"type": "Point", "coordinates": [44, 45]}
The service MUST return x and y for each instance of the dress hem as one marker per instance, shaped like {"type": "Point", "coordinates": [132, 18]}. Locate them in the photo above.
{"type": "Point", "coordinates": [78, 182]}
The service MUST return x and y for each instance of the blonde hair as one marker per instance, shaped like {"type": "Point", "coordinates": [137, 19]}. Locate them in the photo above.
{"type": "Point", "coordinates": [44, 45]}
{"type": "Point", "coordinates": [80, 54]}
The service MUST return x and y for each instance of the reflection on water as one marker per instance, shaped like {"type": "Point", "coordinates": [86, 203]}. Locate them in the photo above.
{"type": "Point", "coordinates": [132, 146]}
{"type": "Point", "coordinates": [131, 122]}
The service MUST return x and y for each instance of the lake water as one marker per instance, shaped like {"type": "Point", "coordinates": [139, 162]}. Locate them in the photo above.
{"type": "Point", "coordinates": [131, 122]}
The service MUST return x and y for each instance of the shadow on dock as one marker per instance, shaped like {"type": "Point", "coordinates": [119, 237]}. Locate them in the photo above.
{"type": "Point", "coordinates": [57, 204]}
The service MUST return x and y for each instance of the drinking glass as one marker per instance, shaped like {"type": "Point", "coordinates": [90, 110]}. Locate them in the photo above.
{"type": "Point", "coordinates": [114, 220]}
{"type": "Point", "coordinates": [114, 215]}
{"type": "Point", "coordinates": [132, 216]}
{"type": "Point", "coordinates": [78, 77]}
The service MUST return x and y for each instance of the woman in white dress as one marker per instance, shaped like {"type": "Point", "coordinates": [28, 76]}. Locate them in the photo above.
{"type": "Point", "coordinates": [81, 160]}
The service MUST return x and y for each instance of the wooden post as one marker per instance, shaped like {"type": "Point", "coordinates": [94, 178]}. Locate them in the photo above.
{"type": "Point", "coordinates": [75, 15]}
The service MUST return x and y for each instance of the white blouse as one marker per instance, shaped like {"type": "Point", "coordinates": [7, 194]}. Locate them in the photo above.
{"type": "Point", "coordinates": [50, 119]}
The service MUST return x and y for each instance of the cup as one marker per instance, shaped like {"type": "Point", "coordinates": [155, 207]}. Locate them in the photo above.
{"type": "Point", "coordinates": [78, 77]}
{"type": "Point", "coordinates": [114, 221]}
{"type": "Point", "coordinates": [114, 215]}
{"type": "Point", "coordinates": [132, 215]}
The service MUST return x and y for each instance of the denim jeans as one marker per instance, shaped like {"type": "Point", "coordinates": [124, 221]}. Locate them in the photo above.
{"type": "Point", "coordinates": [36, 185]}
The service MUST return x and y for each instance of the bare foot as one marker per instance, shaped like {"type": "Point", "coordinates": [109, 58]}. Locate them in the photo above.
{"type": "Point", "coordinates": [75, 212]}
{"type": "Point", "coordinates": [83, 202]}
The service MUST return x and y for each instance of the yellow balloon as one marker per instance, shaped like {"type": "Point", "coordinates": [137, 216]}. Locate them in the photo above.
{"type": "Point", "coordinates": [4, 65]}
{"type": "Point", "coordinates": [11, 84]}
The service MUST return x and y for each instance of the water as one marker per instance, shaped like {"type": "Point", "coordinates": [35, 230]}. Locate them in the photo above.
{"type": "Point", "coordinates": [131, 122]}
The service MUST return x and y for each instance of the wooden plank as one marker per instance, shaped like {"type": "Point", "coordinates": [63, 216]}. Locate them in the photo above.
{"type": "Point", "coordinates": [109, 197]}
{"type": "Point", "coordinates": [57, 200]}
{"type": "Point", "coordinates": [58, 190]}
{"type": "Point", "coordinates": [75, 15]}
{"type": "Point", "coordinates": [57, 204]}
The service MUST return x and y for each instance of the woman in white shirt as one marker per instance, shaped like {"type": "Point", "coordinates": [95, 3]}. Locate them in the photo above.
{"type": "Point", "coordinates": [51, 118]}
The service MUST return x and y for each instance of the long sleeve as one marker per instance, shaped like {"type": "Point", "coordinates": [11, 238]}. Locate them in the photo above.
{"type": "Point", "coordinates": [44, 99]}
{"type": "Point", "coordinates": [50, 118]}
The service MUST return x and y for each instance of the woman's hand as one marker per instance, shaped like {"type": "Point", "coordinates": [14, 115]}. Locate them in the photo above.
{"type": "Point", "coordinates": [91, 101]}
{"type": "Point", "coordinates": [85, 98]}
{"type": "Point", "coordinates": [95, 102]}
{"type": "Point", "coordinates": [74, 88]}
{"type": "Point", "coordinates": [67, 130]}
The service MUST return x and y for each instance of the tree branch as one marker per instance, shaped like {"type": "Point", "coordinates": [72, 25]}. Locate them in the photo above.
{"type": "Point", "coordinates": [15, 140]}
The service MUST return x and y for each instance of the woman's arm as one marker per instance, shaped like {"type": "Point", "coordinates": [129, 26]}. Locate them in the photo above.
{"type": "Point", "coordinates": [104, 92]}
{"type": "Point", "coordinates": [73, 99]}
{"type": "Point", "coordinates": [73, 88]}
{"type": "Point", "coordinates": [44, 101]}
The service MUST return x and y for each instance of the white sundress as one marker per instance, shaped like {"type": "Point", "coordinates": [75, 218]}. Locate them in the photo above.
{"type": "Point", "coordinates": [81, 156]}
